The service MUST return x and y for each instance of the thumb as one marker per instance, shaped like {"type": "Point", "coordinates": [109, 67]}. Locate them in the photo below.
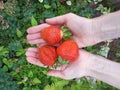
{"type": "Point", "coordinates": [57, 20]}
{"type": "Point", "coordinates": [56, 73]}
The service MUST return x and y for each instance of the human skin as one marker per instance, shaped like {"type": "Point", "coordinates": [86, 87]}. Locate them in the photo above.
{"type": "Point", "coordinates": [86, 32]}
{"type": "Point", "coordinates": [87, 64]}
{"type": "Point", "coordinates": [80, 27]}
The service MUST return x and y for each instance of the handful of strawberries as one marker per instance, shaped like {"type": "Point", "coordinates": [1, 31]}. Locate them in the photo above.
{"type": "Point", "coordinates": [67, 49]}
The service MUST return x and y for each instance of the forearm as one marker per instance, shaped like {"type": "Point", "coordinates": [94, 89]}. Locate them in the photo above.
{"type": "Point", "coordinates": [105, 70]}
{"type": "Point", "coordinates": [107, 26]}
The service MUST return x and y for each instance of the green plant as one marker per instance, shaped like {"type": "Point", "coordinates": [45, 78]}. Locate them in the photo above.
{"type": "Point", "coordinates": [16, 17]}
{"type": "Point", "coordinates": [6, 82]}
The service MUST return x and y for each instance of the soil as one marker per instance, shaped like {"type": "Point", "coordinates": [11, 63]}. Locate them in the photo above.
{"type": "Point", "coordinates": [114, 52]}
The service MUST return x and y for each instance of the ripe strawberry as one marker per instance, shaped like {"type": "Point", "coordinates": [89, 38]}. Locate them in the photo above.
{"type": "Point", "coordinates": [51, 34]}
{"type": "Point", "coordinates": [47, 55]}
{"type": "Point", "coordinates": [54, 34]}
{"type": "Point", "coordinates": [68, 50]}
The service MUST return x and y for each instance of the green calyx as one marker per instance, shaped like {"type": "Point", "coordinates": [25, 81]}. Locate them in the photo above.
{"type": "Point", "coordinates": [66, 33]}
{"type": "Point", "coordinates": [60, 62]}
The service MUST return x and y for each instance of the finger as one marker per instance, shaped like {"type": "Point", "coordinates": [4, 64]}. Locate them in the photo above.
{"type": "Point", "coordinates": [33, 36]}
{"type": "Point", "coordinates": [36, 41]}
{"type": "Point", "coordinates": [36, 29]}
{"type": "Point", "coordinates": [42, 44]}
{"type": "Point", "coordinates": [62, 67]}
{"type": "Point", "coordinates": [56, 73]}
{"type": "Point", "coordinates": [31, 54]}
{"type": "Point", "coordinates": [80, 43]}
{"type": "Point", "coordinates": [57, 20]}
{"type": "Point", "coordinates": [35, 61]}
{"type": "Point", "coordinates": [33, 50]}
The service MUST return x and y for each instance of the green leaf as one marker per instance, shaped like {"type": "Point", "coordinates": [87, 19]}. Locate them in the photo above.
{"type": "Point", "coordinates": [20, 52]}
{"type": "Point", "coordinates": [57, 86]}
{"type": "Point", "coordinates": [20, 82]}
{"type": "Point", "coordinates": [40, 1]}
{"type": "Point", "coordinates": [30, 74]}
{"type": "Point", "coordinates": [5, 61]}
{"type": "Point", "coordinates": [13, 73]}
{"type": "Point", "coordinates": [34, 21]}
{"type": "Point", "coordinates": [47, 6]}
{"type": "Point", "coordinates": [1, 63]}
{"type": "Point", "coordinates": [66, 33]}
{"type": "Point", "coordinates": [44, 72]}
{"type": "Point", "coordinates": [48, 14]}
{"type": "Point", "coordinates": [36, 81]}
{"type": "Point", "coordinates": [3, 52]}
{"type": "Point", "coordinates": [89, 48]}
{"type": "Point", "coordinates": [69, 2]}
{"type": "Point", "coordinates": [5, 68]}
{"type": "Point", "coordinates": [64, 29]}
{"type": "Point", "coordinates": [30, 88]}
{"type": "Point", "coordinates": [65, 62]}
{"type": "Point", "coordinates": [10, 64]}
{"type": "Point", "coordinates": [19, 33]}
{"type": "Point", "coordinates": [53, 5]}
{"type": "Point", "coordinates": [15, 45]}
{"type": "Point", "coordinates": [61, 61]}
{"type": "Point", "coordinates": [1, 48]}
{"type": "Point", "coordinates": [117, 54]}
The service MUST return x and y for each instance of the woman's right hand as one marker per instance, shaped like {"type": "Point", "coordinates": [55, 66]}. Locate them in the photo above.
{"type": "Point", "coordinates": [76, 69]}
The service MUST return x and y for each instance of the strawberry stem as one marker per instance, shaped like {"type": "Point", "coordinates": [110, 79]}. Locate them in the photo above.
{"type": "Point", "coordinates": [61, 61]}
{"type": "Point", "coordinates": [66, 33]}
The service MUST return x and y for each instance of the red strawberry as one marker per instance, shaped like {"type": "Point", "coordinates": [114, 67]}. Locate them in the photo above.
{"type": "Point", "coordinates": [54, 34]}
{"type": "Point", "coordinates": [68, 50]}
{"type": "Point", "coordinates": [47, 55]}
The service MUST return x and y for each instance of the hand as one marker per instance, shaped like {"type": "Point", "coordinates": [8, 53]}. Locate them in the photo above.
{"type": "Point", "coordinates": [75, 69]}
{"type": "Point", "coordinates": [32, 56]}
{"type": "Point", "coordinates": [83, 30]}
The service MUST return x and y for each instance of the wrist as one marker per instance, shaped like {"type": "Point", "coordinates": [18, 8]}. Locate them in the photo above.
{"type": "Point", "coordinates": [96, 30]}
{"type": "Point", "coordinates": [87, 61]}
{"type": "Point", "coordinates": [95, 65]}
{"type": "Point", "coordinates": [107, 26]}
{"type": "Point", "coordinates": [104, 70]}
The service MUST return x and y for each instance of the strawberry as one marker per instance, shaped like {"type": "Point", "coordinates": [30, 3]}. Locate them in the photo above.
{"type": "Point", "coordinates": [51, 34]}
{"type": "Point", "coordinates": [47, 55]}
{"type": "Point", "coordinates": [68, 50]}
{"type": "Point", "coordinates": [54, 34]}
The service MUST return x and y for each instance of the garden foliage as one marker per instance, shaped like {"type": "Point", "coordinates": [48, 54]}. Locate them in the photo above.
{"type": "Point", "coordinates": [18, 15]}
